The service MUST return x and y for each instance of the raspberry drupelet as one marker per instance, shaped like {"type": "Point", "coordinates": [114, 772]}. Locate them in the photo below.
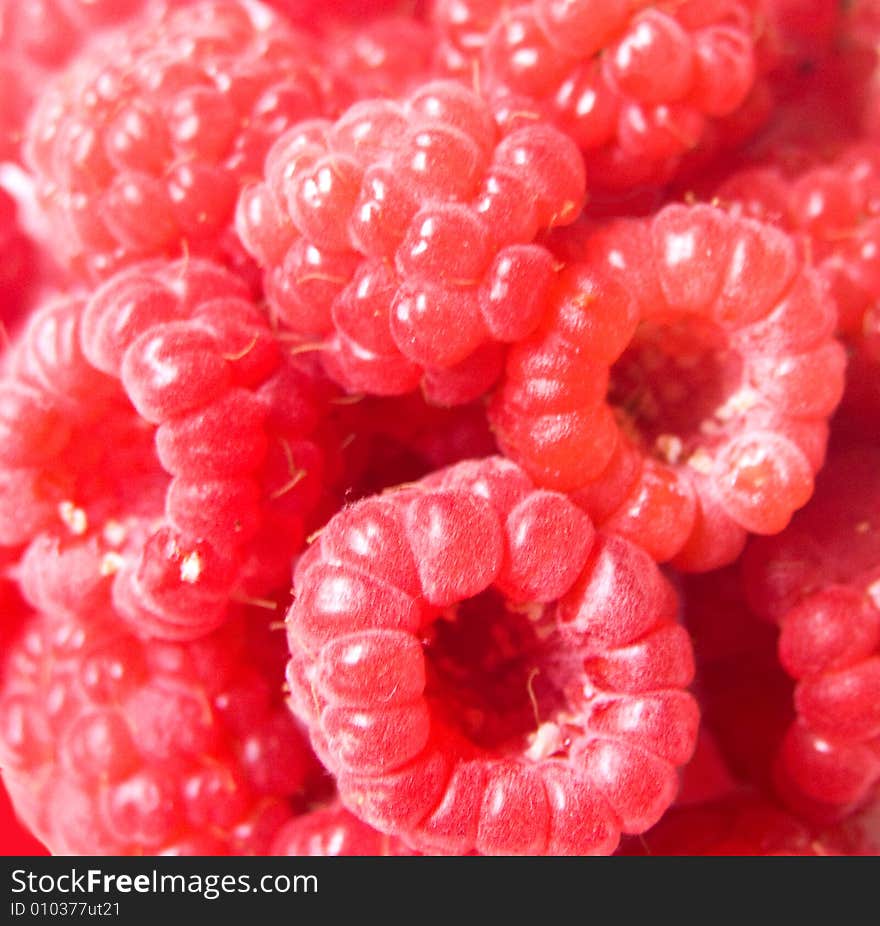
{"type": "Point", "coordinates": [37, 39]}
{"type": "Point", "coordinates": [334, 831]}
{"type": "Point", "coordinates": [383, 57]}
{"type": "Point", "coordinates": [820, 582]}
{"type": "Point", "coordinates": [746, 825]}
{"type": "Point", "coordinates": [113, 745]}
{"type": "Point", "coordinates": [633, 83]}
{"type": "Point", "coordinates": [807, 81]}
{"type": "Point", "coordinates": [680, 384]}
{"type": "Point", "coordinates": [159, 423]}
{"type": "Point", "coordinates": [482, 671]}
{"type": "Point", "coordinates": [399, 238]}
{"type": "Point", "coordinates": [831, 201]}
{"type": "Point", "coordinates": [167, 120]}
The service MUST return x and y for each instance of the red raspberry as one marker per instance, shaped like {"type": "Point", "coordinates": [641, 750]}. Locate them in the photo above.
{"type": "Point", "coordinates": [398, 238]}
{"type": "Point", "coordinates": [335, 831]}
{"type": "Point", "coordinates": [39, 38]}
{"type": "Point", "coordinates": [160, 748]}
{"type": "Point", "coordinates": [834, 207]}
{"type": "Point", "coordinates": [168, 369]}
{"type": "Point", "coordinates": [681, 382]}
{"type": "Point", "coordinates": [168, 120]}
{"type": "Point", "coordinates": [820, 581]}
{"type": "Point", "coordinates": [634, 84]}
{"type": "Point", "coordinates": [745, 825]}
{"type": "Point", "coordinates": [481, 671]}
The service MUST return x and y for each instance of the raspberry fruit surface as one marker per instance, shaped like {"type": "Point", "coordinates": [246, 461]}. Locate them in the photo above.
{"type": "Point", "coordinates": [35, 40]}
{"type": "Point", "coordinates": [831, 204]}
{"type": "Point", "coordinates": [167, 120]}
{"type": "Point", "coordinates": [398, 239]}
{"type": "Point", "coordinates": [334, 831]}
{"type": "Point", "coordinates": [383, 57]}
{"type": "Point", "coordinates": [537, 340]}
{"type": "Point", "coordinates": [634, 84]}
{"type": "Point", "coordinates": [680, 384]}
{"type": "Point", "coordinates": [183, 749]}
{"type": "Point", "coordinates": [474, 688]}
{"type": "Point", "coordinates": [157, 426]}
{"type": "Point", "coordinates": [820, 581]}
{"type": "Point", "coordinates": [746, 825]}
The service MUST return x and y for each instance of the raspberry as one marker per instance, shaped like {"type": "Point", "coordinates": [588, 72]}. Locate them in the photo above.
{"type": "Point", "coordinates": [680, 383]}
{"type": "Point", "coordinates": [167, 370]}
{"type": "Point", "coordinates": [633, 84]}
{"type": "Point", "coordinates": [37, 39]}
{"type": "Point", "coordinates": [833, 206]}
{"type": "Point", "coordinates": [335, 831]}
{"type": "Point", "coordinates": [161, 748]}
{"type": "Point", "coordinates": [168, 120]}
{"type": "Point", "coordinates": [471, 687]}
{"type": "Point", "coordinates": [745, 825]}
{"type": "Point", "coordinates": [398, 239]}
{"type": "Point", "coordinates": [819, 581]}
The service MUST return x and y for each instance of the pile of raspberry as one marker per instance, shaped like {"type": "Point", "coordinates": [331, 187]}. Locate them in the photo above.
{"type": "Point", "coordinates": [440, 428]}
